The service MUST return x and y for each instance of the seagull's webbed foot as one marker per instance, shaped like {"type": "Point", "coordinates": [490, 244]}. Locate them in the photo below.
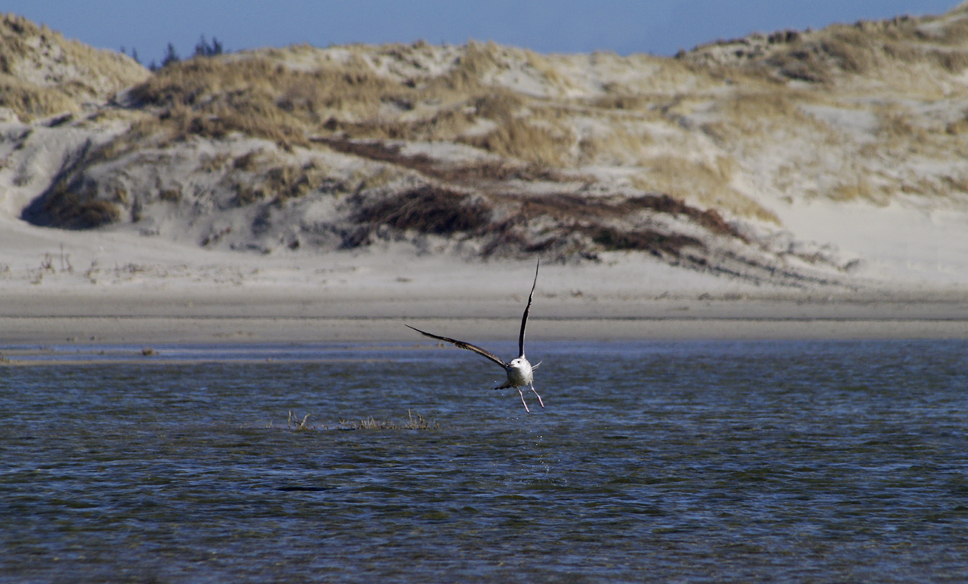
{"type": "Point", "coordinates": [521, 393]}
{"type": "Point", "coordinates": [536, 393]}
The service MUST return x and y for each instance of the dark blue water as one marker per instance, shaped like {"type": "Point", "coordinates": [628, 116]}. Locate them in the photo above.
{"type": "Point", "coordinates": [682, 462]}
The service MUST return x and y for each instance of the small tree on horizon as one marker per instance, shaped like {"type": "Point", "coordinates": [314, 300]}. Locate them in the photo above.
{"type": "Point", "coordinates": [204, 49]}
{"type": "Point", "coordinates": [171, 56]}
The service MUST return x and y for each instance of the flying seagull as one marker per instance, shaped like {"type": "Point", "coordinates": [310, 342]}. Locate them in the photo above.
{"type": "Point", "coordinates": [519, 370]}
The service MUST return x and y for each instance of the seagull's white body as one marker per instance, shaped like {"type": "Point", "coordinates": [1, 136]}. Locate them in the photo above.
{"type": "Point", "coordinates": [519, 370]}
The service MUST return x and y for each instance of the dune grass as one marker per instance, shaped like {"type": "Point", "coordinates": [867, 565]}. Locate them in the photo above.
{"type": "Point", "coordinates": [706, 183]}
{"type": "Point", "coordinates": [42, 73]}
{"type": "Point", "coordinates": [427, 209]}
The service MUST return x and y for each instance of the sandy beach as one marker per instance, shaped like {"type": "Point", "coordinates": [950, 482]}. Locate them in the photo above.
{"type": "Point", "coordinates": [232, 298]}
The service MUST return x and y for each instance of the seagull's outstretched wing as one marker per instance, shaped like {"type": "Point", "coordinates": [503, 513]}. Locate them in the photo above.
{"type": "Point", "coordinates": [527, 309]}
{"type": "Point", "coordinates": [463, 345]}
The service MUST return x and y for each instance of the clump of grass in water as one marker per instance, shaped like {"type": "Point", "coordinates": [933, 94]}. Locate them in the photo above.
{"type": "Point", "coordinates": [295, 424]}
{"type": "Point", "coordinates": [414, 422]}
{"type": "Point", "coordinates": [368, 424]}
{"type": "Point", "coordinates": [420, 423]}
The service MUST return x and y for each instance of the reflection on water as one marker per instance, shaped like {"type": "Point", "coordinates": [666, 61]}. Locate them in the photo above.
{"type": "Point", "coordinates": [721, 461]}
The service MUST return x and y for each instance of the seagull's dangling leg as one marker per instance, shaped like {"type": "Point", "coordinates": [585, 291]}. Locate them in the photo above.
{"type": "Point", "coordinates": [536, 393]}
{"type": "Point", "coordinates": [521, 393]}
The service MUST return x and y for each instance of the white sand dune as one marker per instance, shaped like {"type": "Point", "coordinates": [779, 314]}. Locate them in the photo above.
{"type": "Point", "coordinates": [821, 196]}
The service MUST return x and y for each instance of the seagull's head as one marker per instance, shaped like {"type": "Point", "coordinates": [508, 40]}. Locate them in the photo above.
{"type": "Point", "coordinates": [519, 371]}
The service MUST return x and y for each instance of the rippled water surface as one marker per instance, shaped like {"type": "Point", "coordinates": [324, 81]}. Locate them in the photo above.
{"type": "Point", "coordinates": [687, 462]}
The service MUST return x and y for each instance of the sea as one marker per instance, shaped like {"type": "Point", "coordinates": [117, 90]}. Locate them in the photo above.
{"type": "Point", "coordinates": [686, 461]}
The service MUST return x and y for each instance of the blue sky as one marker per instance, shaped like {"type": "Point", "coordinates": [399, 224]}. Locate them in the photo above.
{"type": "Point", "coordinates": [625, 26]}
